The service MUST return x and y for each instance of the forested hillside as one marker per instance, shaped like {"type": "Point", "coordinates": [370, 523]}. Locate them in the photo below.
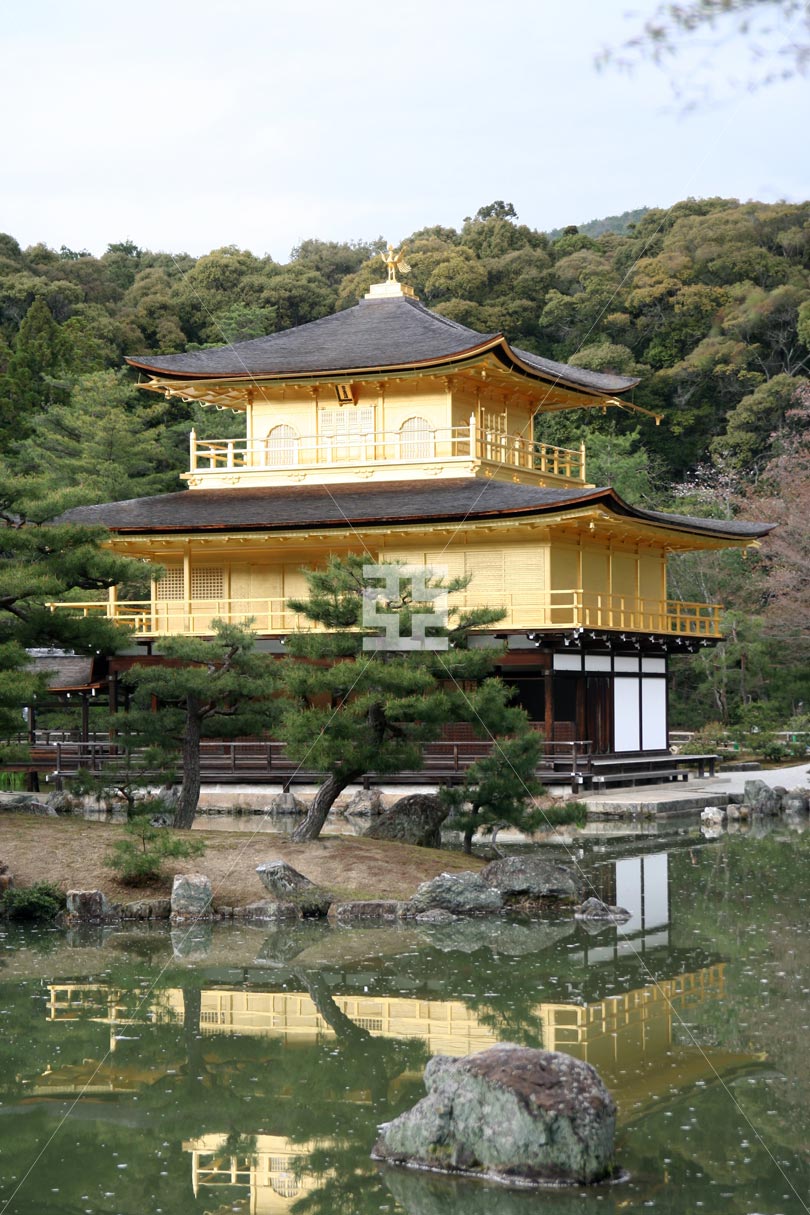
{"type": "Point", "coordinates": [707, 302]}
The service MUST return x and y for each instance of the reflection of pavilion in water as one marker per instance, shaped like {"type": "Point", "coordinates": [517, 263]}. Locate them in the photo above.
{"type": "Point", "coordinates": [628, 1037]}
{"type": "Point", "coordinates": [266, 1165]}
{"type": "Point", "coordinates": [640, 884]}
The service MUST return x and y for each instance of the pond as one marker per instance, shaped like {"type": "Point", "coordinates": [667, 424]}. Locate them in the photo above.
{"type": "Point", "coordinates": [236, 1069]}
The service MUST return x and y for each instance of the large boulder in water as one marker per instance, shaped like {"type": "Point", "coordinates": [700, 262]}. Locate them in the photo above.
{"type": "Point", "coordinates": [461, 893]}
{"type": "Point", "coordinates": [416, 819]}
{"type": "Point", "coordinates": [509, 1112]}
{"type": "Point", "coordinates": [532, 878]}
{"type": "Point", "coordinates": [762, 798]}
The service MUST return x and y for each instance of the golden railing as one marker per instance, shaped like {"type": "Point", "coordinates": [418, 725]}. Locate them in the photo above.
{"type": "Point", "coordinates": [562, 609]}
{"type": "Point", "coordinates": [462, 443]}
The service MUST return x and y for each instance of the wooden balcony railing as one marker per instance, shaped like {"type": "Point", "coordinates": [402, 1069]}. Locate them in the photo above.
{"type": "Point", "coordinates": [461, 443]}
{"type": "Point", "coordinates": [558, 610]}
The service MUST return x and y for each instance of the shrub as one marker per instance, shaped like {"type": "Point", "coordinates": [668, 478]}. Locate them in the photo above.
{"type": "Point", "coordinates": [41, 902]}
{"type": "Point", "coordinates": [138, 859]}
{"type": "Point", "coordinates": [568, 812]}
{"type": "Point", "coordinates": [12, 782]}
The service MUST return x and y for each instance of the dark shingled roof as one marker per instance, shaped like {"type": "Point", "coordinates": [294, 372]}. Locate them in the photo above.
{"type": "Point", "coordinates": [374, 334]}
{"type": "Point", "coordinates": [65, 671]}
{"type": "Point", "coordinates": [335, 506]}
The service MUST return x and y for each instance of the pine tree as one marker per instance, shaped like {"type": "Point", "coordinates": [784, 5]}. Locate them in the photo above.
{"type": "Point", "coordinates": [349, 710]}
{"type": "Point", "coordinates": [221, 687]}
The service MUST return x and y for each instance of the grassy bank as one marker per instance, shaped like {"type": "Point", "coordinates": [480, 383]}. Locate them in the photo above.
{"type": "Point", "coordinates": [71, 853]}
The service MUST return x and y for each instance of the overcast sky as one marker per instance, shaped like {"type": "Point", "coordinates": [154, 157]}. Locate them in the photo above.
{"type": "Point", "coordinates": [186, 125]}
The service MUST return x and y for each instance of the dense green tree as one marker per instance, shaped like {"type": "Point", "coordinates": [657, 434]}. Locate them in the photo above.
{"type": "Point", "coordinates": [39, 357]}
{"type": "Point", "coordinates": [746, 442]}
{"type": "Point", "coordinates": [102, 445]}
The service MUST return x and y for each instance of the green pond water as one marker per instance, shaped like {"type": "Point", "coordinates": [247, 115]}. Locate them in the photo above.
{"type": "Point", "coordinates": [236, 1069]}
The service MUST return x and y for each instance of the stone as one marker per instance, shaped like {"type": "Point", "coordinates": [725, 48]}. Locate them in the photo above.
{"type": "Point", "coordinates": [367, 909]}
{"type": "Point", "coordinates": [462, 893]}
{"type": "Point", "coordinates": [6, 882]}
{"type": "Point", "coordinates": [191, 896]}
{"type": "Point", "coordinates": [365, 803]}
{"type": "Point", "coordinates": [169, 795]}
{"type": "Point", "coordinates": [147, 909]}
{"type": "Point", "coordinates": [436, 915]}
{"type": "Point", "coordinates": [419, 1192]}
{"type": "Point", "coordinates": [268, 911]}
{"type": "Point", "coordinates": [795, 801]}
{"type": "Point", "coordinates": [61, 802]}
{"type": "Point", "coordinates": [761, 797]}
{"type": "Point", "coordinates": [595, 909]}
{"type": "Point", "coordinates": [288, 885]}
{"type": "Point", "coordinates": [285, 803]}
{"type": "Point", "coordinates": [24, 803]}
{"type": "Point", "coordinates": [87, 906]}
{"type": "Point", "coordinates": [498, 936]}
{"type": "Point", "coordinates": [713, 815]}
{"type": "Point", "coordinates": [510, 1112]}
{"type": "Point", "coordinates": [520, 878]}
{"type": "Point", "coordinates": [416, 819]}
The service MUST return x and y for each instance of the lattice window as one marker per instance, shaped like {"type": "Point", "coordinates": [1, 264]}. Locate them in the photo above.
{"type": "Point", "coordinates": [170, 585]}
{"type": "Point", "coordinates": [208, 582]}
{"type": "Point", "coordinates": [286, 1187]}
{"type": "Point", "coordinates": [282, 445]}
{"type": "Point", "coordinates": [348, 422]}
{"type": "Point", "coordinates": [416, 439]}
{"type": "Point", "coordinates": [369, 1022]}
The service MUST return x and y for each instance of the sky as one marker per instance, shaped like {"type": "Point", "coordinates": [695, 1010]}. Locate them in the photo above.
{"type": "Point", "coordinates": [186, 126]}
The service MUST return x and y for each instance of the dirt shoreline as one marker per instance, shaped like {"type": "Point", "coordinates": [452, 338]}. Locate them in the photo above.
{"type": "Point", "coordinates": [70, 853]}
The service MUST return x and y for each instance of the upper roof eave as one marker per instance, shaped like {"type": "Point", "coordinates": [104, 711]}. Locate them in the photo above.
{"type": "Point", "coordinates": [498, 344]}
{"type": "Point", "coordinates": [473, 352]}
{"type": "Point", "coordinates": [370, 506]}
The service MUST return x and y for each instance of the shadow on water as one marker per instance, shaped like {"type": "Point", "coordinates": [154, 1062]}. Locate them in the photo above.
{"type": "Point", "coordinates": [215, 1068]}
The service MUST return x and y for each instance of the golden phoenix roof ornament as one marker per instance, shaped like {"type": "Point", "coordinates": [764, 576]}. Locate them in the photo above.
{"type": "Point", "coordinates": [395, 261]}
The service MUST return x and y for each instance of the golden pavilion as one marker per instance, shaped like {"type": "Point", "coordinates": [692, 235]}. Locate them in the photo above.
{"type": "Point", "coordinates": [390, 430]}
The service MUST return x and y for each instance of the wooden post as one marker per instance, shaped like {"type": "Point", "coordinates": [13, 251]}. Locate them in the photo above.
{"type": "Point", "coordinates": [473, 438]}
{"type": "Point", "coordinates": [192, 450]}
{"type": "Point", "coordinates": [582, 461]}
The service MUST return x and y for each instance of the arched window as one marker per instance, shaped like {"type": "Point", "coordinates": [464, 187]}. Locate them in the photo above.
{"type": "Point", "coordinates": [282, 445]}
{"type": "Point", "coordinates": [415, 439]}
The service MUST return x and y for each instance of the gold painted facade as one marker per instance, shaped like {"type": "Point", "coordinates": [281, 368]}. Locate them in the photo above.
{"type": "Point", "coordinates": [579, 568]}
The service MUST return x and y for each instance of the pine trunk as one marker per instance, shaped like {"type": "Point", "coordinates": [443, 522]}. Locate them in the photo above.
{"type": "Point", "coordinates": [190, 792]}
{"type": "Point", "coordinates": [322, 803]}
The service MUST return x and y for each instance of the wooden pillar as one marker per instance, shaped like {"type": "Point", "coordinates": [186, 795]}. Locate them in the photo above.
{"type": "Point", "coordinates": [85, 729]}
{"type": "Point", "coordinates": [113, 704]}
{"type": "Point", "coordinates": [548, 680]}
{"type": "Point", "coordinates": [187, 588]}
